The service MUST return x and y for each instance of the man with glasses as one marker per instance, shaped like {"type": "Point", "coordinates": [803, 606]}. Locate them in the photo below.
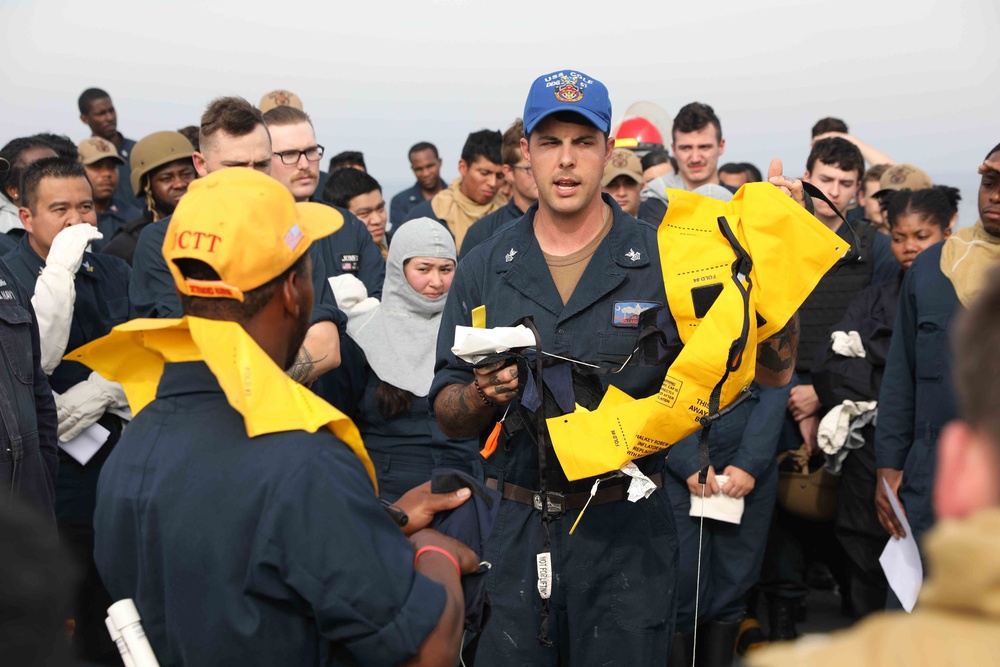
{"type": "Point", "coordinates": [524, 191]}
{"type": "Point", "coordinates": [233, 134]}
{"type": "Point", "coordinates": [295, 158]}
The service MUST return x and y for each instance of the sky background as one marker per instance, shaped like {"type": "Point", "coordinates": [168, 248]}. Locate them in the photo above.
{"type": "Point", "coordinates": [919, 79]}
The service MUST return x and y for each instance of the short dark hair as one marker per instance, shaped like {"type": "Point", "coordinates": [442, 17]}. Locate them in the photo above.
{"type": "Point", "coordinates": [90, 96]}
{"type": "Point", "coordinates": [836, 152]}
{"type": "Point", "coordinates": [191, 133]}
{"type": "Point", "coordinates": [654, 157]}
{"type": "Point", "coordinates": [937, 205]}
{"type": "Point", "coordinates": [483, 143]}
{"type": "Point", "coordinates": [753, 173]}
{"type": "Point", "coordinates": [976, 366]}
{"type": "Point", "coordinates": [747, 169]}
{"type": "Point", "coordinates": [346, 159]}
{"type": "Point", "coordinates": [286, 115]}
{"type": "Point", "coordinates": [824, 125]}
{"type": "Point", "coordinates": [510, 151]}
{"type": "Point", "coordinates": [695, 116]}
{"type": "Point", "coordinates": [47, 167]}
{"type": "Point", "coordinates": [992, 151]}
{"type": "Point", "coordinates": [345, 184]}
{"type": "Point", "coordinates": [230, 309]}
{"type": "Point", "coordinates": [874, 173]}
{"type": "Point", "coordinates": [12, 152]}
{"type": "Point", "coordinates": [61, 144]}
{"type": "Point", "coordinates": [423, 146]}
{"type": "Point", "coordinates": [232, 115]}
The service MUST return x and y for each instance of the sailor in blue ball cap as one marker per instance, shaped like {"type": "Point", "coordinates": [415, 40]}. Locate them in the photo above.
{"type": "Point", "coordinates": [605, 594]}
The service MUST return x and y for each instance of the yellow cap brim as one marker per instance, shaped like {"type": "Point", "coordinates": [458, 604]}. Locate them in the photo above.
{"type": "Point", "coordinates": [318, 220]}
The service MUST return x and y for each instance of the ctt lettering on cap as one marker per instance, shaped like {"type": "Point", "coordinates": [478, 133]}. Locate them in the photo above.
{"type": "Point", "coordinates": [192, 240]}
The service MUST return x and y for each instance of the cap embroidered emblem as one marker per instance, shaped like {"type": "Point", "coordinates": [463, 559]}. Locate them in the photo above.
{"type": "Point", "coordinates": [509, 257]}
{"type": "Point", "coordinates": [569, 91]}
{"type": "Point", "coordinates": [619, 160]}
{"type": "Point", "coordinates": [899, 176]}
{"type": "Point", "coordinates": [280, 98]}
{"type": "Point", "coordinates": [633, 255]}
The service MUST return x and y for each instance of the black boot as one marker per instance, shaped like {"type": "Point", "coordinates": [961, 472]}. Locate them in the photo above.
{"type": "Point", "coordinates": [781, 618]}
{"type": "Point", "coordinates": [717, 643]}
{"type": "Point", "coordinates": [680, 650]}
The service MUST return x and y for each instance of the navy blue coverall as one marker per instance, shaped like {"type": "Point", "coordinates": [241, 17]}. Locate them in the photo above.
{"type": "Point", "coordinates": [614, 583]}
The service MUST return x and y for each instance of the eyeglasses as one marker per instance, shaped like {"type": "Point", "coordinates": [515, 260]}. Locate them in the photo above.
{"type": "Point", "coordinates": [313, 154]}
{"type": "Point", "coordinates": [527, 169]}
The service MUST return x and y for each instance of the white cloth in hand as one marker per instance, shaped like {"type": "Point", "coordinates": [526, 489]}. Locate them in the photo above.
{"type": "Point", "coordinates": [840, 431]}
{"type": "Point", "coordinates": [86, 402]}
{"type": "Point", "coordinates": [718, 506]}
{"type": "Point", "coordinates": [848, 344]}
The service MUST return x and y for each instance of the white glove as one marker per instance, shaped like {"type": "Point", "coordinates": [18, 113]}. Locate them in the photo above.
{"type": "Point", "coordinates": [351, 295]}
{"type": "Point", "coordinates": [55, 292]}
{"type": "Point", "coordinates": [69, 244]}
{"type": "Point", "coordinates": [84, 403]}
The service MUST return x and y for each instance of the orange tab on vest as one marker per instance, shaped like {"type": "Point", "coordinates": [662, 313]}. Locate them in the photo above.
{"type": "Point", "coordinates": [491, 442]}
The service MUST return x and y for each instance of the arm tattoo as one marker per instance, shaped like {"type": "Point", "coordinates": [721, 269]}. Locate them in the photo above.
{"type": "Point", "coordinates": [303, 367]}
{"type": "Point", "coordinates": [459, 416]}
{"type": "Point", "coordinates": [777, 353]}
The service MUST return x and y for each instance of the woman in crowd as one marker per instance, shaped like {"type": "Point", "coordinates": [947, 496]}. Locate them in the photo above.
{"type": "Point", "coordinates": [847, 376]}
{"type": "Point", "coordinates": [389, 357]}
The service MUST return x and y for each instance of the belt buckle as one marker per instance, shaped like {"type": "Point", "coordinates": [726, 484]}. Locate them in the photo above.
{"type": "Point", "coordinates": [555, 501]}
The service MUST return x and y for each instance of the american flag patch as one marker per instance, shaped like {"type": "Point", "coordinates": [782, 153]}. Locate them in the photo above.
{"type": "Point", "coordinates": [293, 237]}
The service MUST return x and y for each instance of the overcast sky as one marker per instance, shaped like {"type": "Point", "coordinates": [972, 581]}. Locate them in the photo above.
{"type": "Point", "coordinates": [918, 79]}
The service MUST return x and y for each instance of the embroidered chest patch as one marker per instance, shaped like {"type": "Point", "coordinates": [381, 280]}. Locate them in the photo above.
{"type": "Point", "coordinates": [626, 313]}
{"type": "Point", "coordinates": [348, 263]}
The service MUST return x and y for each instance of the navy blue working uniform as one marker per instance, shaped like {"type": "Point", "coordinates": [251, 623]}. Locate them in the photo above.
{"type": "Point", "coordinates": [152, 286]}
{"type": "Point", "coordinates": [488, 225]}
{"type": "Point", "coordinates": [402, 202]}
{"type": "Point", "coordinates": [732, 554]}
{"type": "Point", "coordinates": [29, 450]}
{"type": "Point", "coordinates": [917, 397]}
{"type": "Point", "coordinates": [421, 210]}
{"type": "Point", "coordinates": [9, 240]}
{"type": "Point", "coordinates": [124, 190]}
{"type": "Point", "coordinates": [404, 449]}
{"type": "Point", "coordinates": [118, 214]}
{"type": "Point", "coordinates": [101, 304]}
{"type": "Point", "coordinates": [270, 550]}
{"type": "Point", "coordinates": [613, 591]}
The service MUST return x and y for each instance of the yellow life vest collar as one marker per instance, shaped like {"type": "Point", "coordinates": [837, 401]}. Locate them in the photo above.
{"type": "Point", "coordinates": [134, 354]}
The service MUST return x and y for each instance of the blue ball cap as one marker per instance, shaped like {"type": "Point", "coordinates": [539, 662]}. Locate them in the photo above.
{"type": "Point", "coordinates": [568, 90]}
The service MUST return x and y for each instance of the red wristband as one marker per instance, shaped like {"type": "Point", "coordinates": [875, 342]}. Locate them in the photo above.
{"type": "Point", "coordinates": [422, 550]}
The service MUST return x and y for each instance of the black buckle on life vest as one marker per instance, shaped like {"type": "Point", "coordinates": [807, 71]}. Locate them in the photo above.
{"type": "Point", "coordinates": [555, 503]}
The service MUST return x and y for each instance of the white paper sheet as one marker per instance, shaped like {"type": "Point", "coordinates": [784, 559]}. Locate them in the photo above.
{"type": "Point", "coordinates": [900, 560]}
{"type": "Point", "coordinates": [472, 344]}
{"type": "Point", "coordinates": [84, 446]}
{"type": "Point", "coordinates": [641, 486]}
{"type": "Point", "coordinates": [719, 506]}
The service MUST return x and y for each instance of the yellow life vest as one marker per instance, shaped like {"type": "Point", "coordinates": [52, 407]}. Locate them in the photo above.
{"type": "Point", "coordinates": [134, 354]}
{"type": "Point", "coordinates": [734, 274]}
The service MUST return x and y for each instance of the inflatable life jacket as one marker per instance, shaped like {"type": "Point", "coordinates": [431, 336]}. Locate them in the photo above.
{"type": "Point", "coordinates": [734, 274]}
